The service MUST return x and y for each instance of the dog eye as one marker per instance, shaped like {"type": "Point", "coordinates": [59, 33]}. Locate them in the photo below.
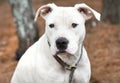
{"type": "Point", "coordinates": [74, 25]}
{"type": "Point", "coordinates": [51, 25]}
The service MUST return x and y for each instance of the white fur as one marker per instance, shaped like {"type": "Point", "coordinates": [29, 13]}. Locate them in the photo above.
{"type": "Point", "coordinates": [97, 15]}
{"type": "Point", "coordinates": [38, 65]}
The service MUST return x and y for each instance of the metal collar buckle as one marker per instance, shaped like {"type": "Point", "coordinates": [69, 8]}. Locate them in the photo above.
{"type": "Point", "coordinates": [69, 67]}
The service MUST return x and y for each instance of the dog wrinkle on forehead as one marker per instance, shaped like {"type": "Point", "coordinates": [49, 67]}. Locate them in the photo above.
{"type": "Point", "coordinates": [59, 11]}
{"type": "Point", "coordinates": [71, 14]}
{"type": "Point", "coordinates": [64, 16]}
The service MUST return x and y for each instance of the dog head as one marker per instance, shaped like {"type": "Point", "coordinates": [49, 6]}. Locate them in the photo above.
{"type": "Point", "coordinates": [65, 26]}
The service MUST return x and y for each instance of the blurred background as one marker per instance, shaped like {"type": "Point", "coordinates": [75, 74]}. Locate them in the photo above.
{"type": "Point", "coordinates": [18, 32]}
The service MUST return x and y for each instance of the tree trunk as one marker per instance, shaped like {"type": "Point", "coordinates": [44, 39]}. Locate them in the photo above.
{"type": "Point", "coordinates": [26, 29]}
{"type": "Point", "coordinates": [111, 11]}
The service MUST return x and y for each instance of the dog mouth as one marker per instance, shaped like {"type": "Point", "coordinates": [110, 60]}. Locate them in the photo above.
{"type": "Point", "coordinates": [65, 56]}
{"type": "Point", "coordinates": [62, 52]}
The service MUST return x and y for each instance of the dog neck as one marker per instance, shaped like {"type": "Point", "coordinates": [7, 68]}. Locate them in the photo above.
{"type": "Point", "coordinates": [67, 60]}
{"type": "Point", "coordinates": [69, 66]}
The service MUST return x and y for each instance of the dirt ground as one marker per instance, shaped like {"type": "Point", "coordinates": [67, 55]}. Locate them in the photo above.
{"type": "Point", "coordinates": [102, 43]}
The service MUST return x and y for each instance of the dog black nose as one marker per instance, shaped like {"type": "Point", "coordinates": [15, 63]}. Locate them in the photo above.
{"type": "Point", "coordinates": [62, 43]}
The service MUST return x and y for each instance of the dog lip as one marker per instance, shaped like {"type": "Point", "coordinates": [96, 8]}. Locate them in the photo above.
{"type": "Point", "coordinates": [61, 51]}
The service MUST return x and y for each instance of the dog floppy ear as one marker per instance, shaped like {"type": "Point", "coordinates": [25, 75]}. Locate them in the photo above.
{"type": "Point", "coordinates": [44, 10]}
{"type": "Point", "coordinates": [87, 11]}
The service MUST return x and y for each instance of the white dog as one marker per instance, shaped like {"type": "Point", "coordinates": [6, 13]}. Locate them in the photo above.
{"type": "Point", "coordinates": [58, 56]}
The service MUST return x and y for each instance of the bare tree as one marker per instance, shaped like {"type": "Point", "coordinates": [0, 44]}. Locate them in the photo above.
{"type": "Point", "coordinates": [26, 29]}
{"type": "Point", "coordinates": [111, 11]}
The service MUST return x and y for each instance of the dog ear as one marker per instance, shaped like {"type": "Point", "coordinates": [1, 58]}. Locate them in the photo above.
{"type": "Point", "coordinates": [87, 11]}
{"type": "Point", "coordinates": [44, 10]}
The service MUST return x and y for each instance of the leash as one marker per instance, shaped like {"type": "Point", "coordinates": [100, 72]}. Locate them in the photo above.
{"type": "Point", "coordinates": [69, 67]}
{"type": "Point", "coordinates": [73, 68]}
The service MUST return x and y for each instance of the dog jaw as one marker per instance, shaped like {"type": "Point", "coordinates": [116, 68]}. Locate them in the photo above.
{"type": "Point", "coordinates": [67, 58]}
